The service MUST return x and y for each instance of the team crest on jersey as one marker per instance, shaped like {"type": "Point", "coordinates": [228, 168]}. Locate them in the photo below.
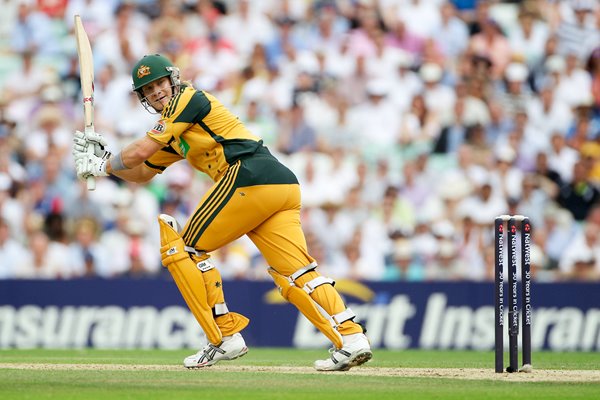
{"type": "Point", "coordinates": [159, 128]}
{"type": "Point", "coordinates": [143, 71]}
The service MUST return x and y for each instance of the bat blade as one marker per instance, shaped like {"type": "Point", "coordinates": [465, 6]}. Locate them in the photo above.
{"type": "Point", "coordinates": [86, 73]}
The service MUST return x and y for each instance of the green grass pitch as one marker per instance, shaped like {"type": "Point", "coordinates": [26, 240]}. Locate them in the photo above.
{"type": "Point", "coordinates": [287, 374]}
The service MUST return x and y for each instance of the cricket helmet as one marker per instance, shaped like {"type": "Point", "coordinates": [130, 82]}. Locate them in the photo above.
{"type": "Point", "coordinates": [151, 68]}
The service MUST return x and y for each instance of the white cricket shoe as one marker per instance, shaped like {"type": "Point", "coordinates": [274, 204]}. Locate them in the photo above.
{"type": "Point", "coordinates": [356, 351]}
{"type": "Point", "coordinates": [231, 348]}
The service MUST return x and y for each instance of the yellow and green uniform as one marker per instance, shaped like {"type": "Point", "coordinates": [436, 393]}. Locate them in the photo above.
{"type": "Point", "coordinates": [253, 193]}
{"type": "Point", "coordinates": [252, 189]}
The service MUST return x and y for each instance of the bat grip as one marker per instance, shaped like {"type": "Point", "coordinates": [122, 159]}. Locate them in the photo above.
{"type": "Point", "coordinates": [91, 183]}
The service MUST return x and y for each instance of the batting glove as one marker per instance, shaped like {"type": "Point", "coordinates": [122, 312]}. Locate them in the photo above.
{"type": "Point", "coordinates": [82, 142]}
{"type": "Point", "coordinates": [88, 165]}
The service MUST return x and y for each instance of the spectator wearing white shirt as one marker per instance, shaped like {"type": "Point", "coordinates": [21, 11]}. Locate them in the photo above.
{"type": "Point", "coordinates": [583, 249]}
{"type": "Point", "coordinates": [332, 228]}
{"type": "Point", "coordinates": [505, 177]}
{"type": "Point", "coordinates": [561, 158]}
{"type": "Point", "coordinates": [383, 63]}
{"type": "Point", "coordinates": [376, 122]}
{"type": "Point", "coordinates": [528, 37]}
{"type": "Point", "coordinates": [123, 43]}
{"type": "Point", "coordinates": [216, 60]}
{"type": "Point", "coordinates": [43, 259]}
{"type": "Point", "coordinates": [439, 97]}
{"type": "Point", "coordinates": [245, 17]}
{"type": "Point", "coordinates": [97, 15]}
{"type": "Point", "coordinates": [130, 253]}
{"type": "Point", "coordinates": [422, 17]}
{"type": "Point", "coordinates": [11, 251]}
{"type": "Point", "coordinates": [548, 113]}
{"type": "Point", "coordinates": [574, 85]}
{"type": "Point", "coordinates": [405, 84]}
{"type": "Point", "coordinates": [452, 34]}
{"type": "Point", "coordinates": [12, 210]}
{"type": "Point", "coordinates": [484, 204]}
{"type": "Point", "coordinates": [447, 264]}
{"type": "Point", "coordinates": [23, 86]}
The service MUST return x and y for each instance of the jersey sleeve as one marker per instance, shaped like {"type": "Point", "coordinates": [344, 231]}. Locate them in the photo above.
{"type": "Point", "coordinates": [164, 130]}
{"type": "Point", "coordinates": [160, 160]}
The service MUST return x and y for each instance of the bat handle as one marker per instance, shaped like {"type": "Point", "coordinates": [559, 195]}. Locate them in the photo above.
{"type": "Point", "coordinates": [91, 183]}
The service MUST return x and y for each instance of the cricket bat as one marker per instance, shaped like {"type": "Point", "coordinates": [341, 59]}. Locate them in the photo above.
{"type": "Point", "coordinates": [86, 73]}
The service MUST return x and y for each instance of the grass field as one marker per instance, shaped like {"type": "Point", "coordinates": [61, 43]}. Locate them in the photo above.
{"type": "Point", "coordinates": [287, 374]}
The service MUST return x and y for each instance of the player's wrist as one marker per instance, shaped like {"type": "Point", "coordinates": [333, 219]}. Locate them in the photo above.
{"type": "Point", "coordinates": [116, 163]}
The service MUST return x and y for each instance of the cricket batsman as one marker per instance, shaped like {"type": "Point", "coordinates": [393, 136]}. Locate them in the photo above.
{"type": "Point", "coordinates": [253, 194]}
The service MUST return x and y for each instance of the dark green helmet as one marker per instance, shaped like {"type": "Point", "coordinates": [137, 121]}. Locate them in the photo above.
{"type": "Point", "coordinates": [151, 68]}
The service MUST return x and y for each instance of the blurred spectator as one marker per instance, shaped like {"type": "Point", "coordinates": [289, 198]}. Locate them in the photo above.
{"type": "Point", "coordinates": [297, 135]}
{"type": "Point", "coordinates": [446, 265]}
{"type": "Point", "coordinates": [130, 253]}
{"type": "Point", "coordinates": [485, 203]}
{"type": "Point", "coordinates": [376, 123]}
{"type": "Point", "coordinates": [580, 195]}
{"type": "Point", "coordinates": [492, 43]}
{"type": "Point", "coordinates": [411, 124]}
{"type": "Point", "coordinates": [11, 251]}
{"type": "Point", "coordinates": [23, 87]}
{"type": "Point", "coordinates": [31, 30]}
{"type": "Point", "coordinates": [403, 266]}
{"type": "Point", "coordinates": [245, 17]}
{"type": "Point", "coordinates": [44, 259]}
{"type": "Point", "coordinates": [593, 67]}
{"type": "Point", "coordinates": [549, 113]}
{"type": "Point", "coordinates": [50, 137]}
{"type": "Point", "coordinates": [88, 256]}
{"type": "Point", "coordinates": [514, 95]}
{"type": "Point", "coordinates": [580, 261]}
{"type": "Point", "coordinates": [561, 157]}
{"type": "Point", "coordinates": [452, 34]}
{"type": "Point", "coordinates": [12, 210]}
{"type": "Point", "coordinates": [528, 37]}
{"type": "Point", "coordinates": [573, 84]}
{"type": "Point", "coordinates": [580, 34]}
{"type": "Point", "coordinates": [123, 44]}
{"type": "Point", "coordinates": [421, 124]}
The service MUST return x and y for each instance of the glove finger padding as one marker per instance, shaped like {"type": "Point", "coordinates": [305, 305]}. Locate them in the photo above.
{"type": "Point", "coordinates": [81, 167]}
{"type": "Point", "coordinates": [82, 142]}
{"type": "Point", "coordinates": [91, 137]}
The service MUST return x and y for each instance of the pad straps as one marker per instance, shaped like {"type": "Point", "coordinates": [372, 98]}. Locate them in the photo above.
{"type": "Point", "coordinates": [220, 309]}
{"type": "Point", "coordinates": [343, 316]}
{"type": "Point", "coordinates": [310, 286]}
{"type": "Point", "coordinates": [310, 267]}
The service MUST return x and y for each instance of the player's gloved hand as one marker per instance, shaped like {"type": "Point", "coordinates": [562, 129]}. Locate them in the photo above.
{"type": "Point", "coordinates": [83, 140]}
{"type": "Point", "coordinates": [87, 164]}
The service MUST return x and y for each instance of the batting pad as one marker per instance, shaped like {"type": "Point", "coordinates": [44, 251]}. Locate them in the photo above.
{"type": "Point", "coordinates": [299, 298]}
{"type": "Point", "coordinates": [228, 322]}
{"type": "Point", "coordinates": [188, 278]}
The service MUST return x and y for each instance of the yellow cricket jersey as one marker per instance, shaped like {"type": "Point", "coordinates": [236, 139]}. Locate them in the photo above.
{"type": "Point", "coordinates": [194, 125]}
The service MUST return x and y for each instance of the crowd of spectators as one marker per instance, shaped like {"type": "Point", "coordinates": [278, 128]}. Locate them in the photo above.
{"type": "Point", "coordinates": [411, 124]}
